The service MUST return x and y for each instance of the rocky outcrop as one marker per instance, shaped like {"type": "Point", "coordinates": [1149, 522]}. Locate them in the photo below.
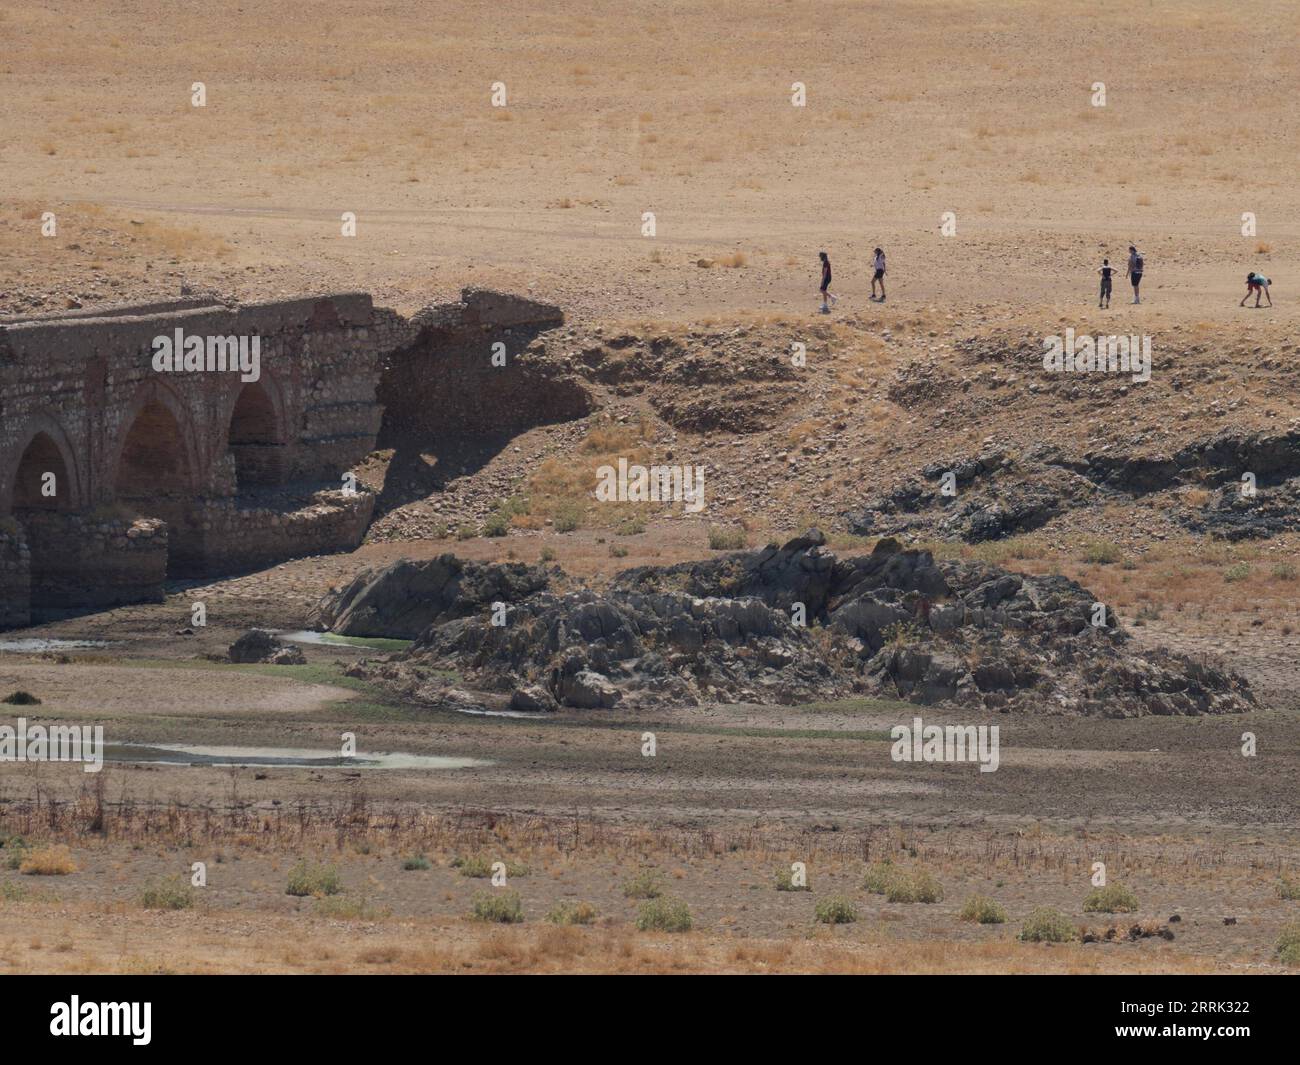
{"type": "Point", "coordinates": [796, 623]}
{"type": "Point", "coordinates": [258, 645]}
{"type": "Point", "coordinates": [992, 496]}
{"type": "Point", "coordinates": [403, 599]}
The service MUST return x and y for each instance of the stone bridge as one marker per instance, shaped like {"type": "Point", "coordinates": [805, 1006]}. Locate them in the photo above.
{"type": "Point", "coordinates": [117, 471]}
{"type": "Point", "coordinates": [115, 474]}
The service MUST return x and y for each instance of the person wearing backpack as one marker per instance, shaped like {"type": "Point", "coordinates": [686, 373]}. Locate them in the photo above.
{"type": "Point", "coordinates": [1135, 267]}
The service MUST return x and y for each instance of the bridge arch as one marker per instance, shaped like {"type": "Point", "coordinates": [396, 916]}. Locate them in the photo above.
{"type": "Point", "coordinates": [43, 449]}
{"type": "Point", "coordinates": [155, 466]}
{"type": "Point", "coordinates": [257, 433]}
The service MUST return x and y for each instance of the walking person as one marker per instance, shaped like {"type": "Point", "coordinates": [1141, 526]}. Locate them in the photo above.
{"type": "Point", "coordinates": [1258, 284]}
{"type": "Point", "coordinates": [826, 283]}
{"type": "Point", "coordinates": [1136, 264]}
{"type": "Point", "coordinates": [1103, 300]}
{"type": "Point", "coordinates": [878, 275]}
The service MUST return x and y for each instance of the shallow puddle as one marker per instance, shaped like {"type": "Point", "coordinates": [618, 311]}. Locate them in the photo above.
{"type": "Point", "coordinates": [39, 644]}
{"type": "Point", "coordinates": [183, 754]}
{"type": "Point", "coordinates": [377, 643]}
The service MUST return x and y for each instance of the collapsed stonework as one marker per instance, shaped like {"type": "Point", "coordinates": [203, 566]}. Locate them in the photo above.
{"type": "Point", "coordinates": [117, 474]}
{"type": "Point", "coordinates": [782, 625]}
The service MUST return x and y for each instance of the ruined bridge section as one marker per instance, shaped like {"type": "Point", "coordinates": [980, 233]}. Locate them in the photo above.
{"type": "Point", "coordinates": [114, 475]}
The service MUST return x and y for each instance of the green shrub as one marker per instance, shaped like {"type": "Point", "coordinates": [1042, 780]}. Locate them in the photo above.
{"type": "Point", "coordinates": [170, 893]}
{"type": "Point", "coordinates": [1046, 925]}
{"type": "Point", "coordinates": [617, 551]}
{"type": "Point", "coordinates": [647, 884]}
{"type": "Point", "coordinates": [515, 504]}
{"type": "Point", "coordinates": [21, 698]}
{"type": "Point", "coordinates": [547, 555]}
{"type": "Point", "coordinates": [465, 532]}
{"type": "Point", "coordinates": [663, 915]}
{"type": "Point", "coordinates": [1100, 552]}
{"type": "Point", "coordinates": [15, 850]}
{"type": "Point", "coordinates": [573, 913]}
{"type": "Point", "coordinates": [496, 524]}
{"type": "Point", "coordinates": [503, 907]}
{"type": "Point", "coordinates": [984, 910]}
{"type": "Point", "coordinates": [901, 634]}
{"type": "Point", "coordinates": [727, 538]}
{"type": "Point", "coordinates": [1287, 947]}
{"type": "Point", "coordinates": [1284, 571]}
{"type": "Point", "coordinates": [1113, 898]}
{"type": "Point", "coordinates": [878, 877]}
{"type": "Point", "coordinates": [416, 863]}
{"type": "Point", "coordinates": [317, 880]}
{"type": "Point", "coordinates": [835, 909]}
{"type": "Point", "coordinates": [919, 885]}
{"type": "Point", "coordinates": [1238, 572]}
{"type": "Point", "coordinates": [479, 866]}
{"type": "Point", "coordinates": [1288, 889]}
{"type": "Point", "coordinates": [568, 516]}
{"type": "Point", "coordinates": [630, 527]}
{"type": "Point", "coordinates": [785, 880]}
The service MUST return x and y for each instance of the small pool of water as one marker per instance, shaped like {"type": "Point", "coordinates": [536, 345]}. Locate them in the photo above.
{"type": "Point", "coordinates": [184, 754]}
{"type": "Point", "coordinates": [377, 643]}
{"type": "Point", "coordinates": [40, 644]}
{"type": "Point", "coordinates": [539, 715]}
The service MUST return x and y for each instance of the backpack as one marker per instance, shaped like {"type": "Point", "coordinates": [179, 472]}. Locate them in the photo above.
{"type": "Point", "coordinates": [1138, 264]}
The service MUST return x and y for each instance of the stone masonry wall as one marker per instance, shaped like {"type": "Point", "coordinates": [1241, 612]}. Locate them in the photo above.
{"type": "Point", "coordinates": [81, 561]}
{"type": "Point", "coordinates": [15, 576]}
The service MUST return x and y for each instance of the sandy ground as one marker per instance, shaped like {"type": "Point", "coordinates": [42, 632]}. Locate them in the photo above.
{"type": "Point", "coordinates": [912, 109]}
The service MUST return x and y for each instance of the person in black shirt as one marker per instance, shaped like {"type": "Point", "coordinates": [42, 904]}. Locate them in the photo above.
{"type": "Point", "coordinates": [826, 283]}
{"type": "Point", "coordinates": [1105, 270]}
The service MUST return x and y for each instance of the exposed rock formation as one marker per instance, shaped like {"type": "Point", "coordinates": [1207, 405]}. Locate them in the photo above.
{"type": "Point", "coordinates": [992, 495]}
{"type": "Point", "coordinates": [796, 623]}
{"type": "Point", "coordinates": [258, 645]}
{"type": "Point", "coordinates": [403, 599]}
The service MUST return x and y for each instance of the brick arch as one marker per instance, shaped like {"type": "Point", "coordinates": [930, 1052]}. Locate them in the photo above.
{"type": "Point", "coordinates": [256, 431]}
{"type": "Point", "coordinates": [158, 456]}
{"type": "Point", "coordinates": [42, 427]}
